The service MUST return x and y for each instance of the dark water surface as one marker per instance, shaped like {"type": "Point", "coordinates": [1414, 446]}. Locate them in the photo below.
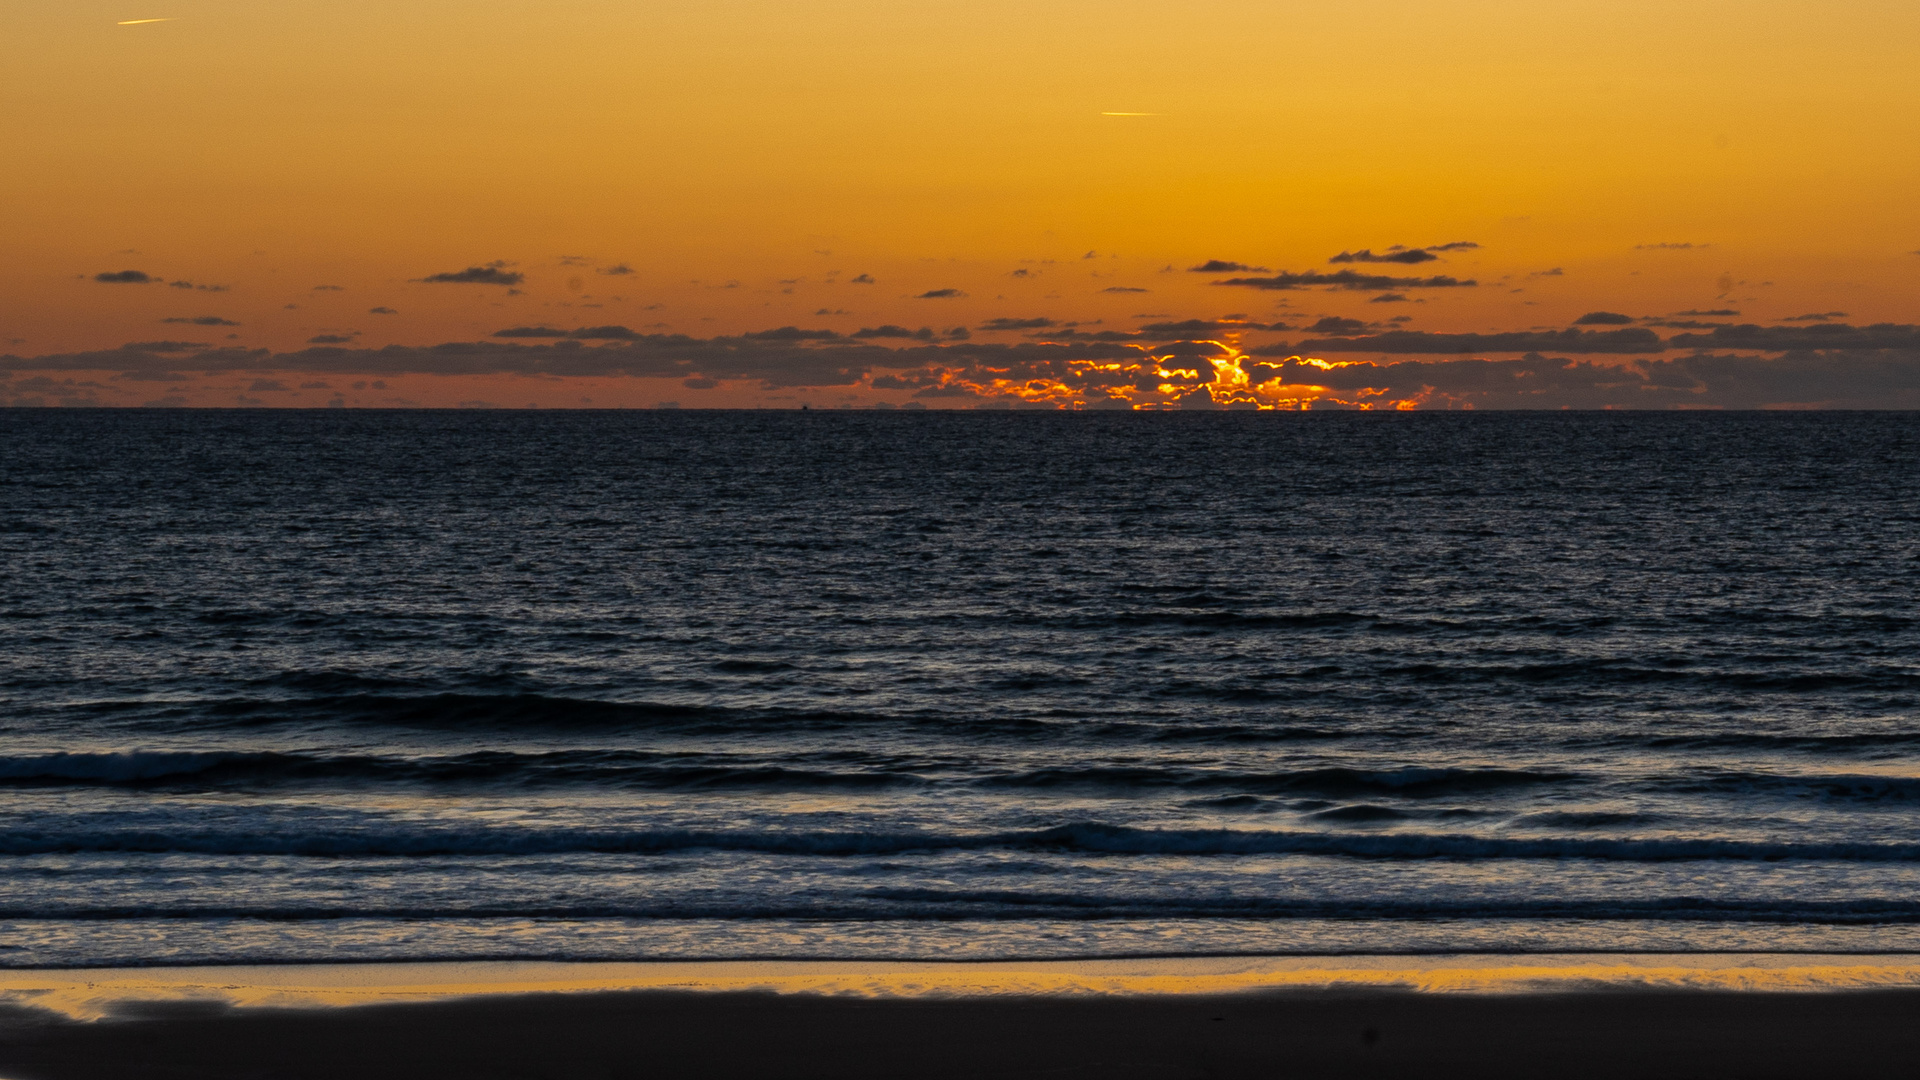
{"type": "Point", "coordinates": [408, 685]}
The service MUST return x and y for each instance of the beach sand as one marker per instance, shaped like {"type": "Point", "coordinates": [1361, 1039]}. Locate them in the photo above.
{"type": "Point", "coordinates": [1480, 1017]}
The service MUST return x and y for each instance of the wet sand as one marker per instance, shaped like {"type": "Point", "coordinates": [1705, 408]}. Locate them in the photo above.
{"type": "Point", "coordinates": [1624, 1030]}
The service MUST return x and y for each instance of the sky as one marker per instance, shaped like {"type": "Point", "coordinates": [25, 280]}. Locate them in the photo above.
{"type": "Point", "coordinates": [1043, 204]}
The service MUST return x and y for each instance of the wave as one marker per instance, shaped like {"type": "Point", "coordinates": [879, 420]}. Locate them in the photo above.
{"type": "Point", "coordinates": [661, 770]}
{"type": "Point", "coordinates": [1005, 905]}
{"type": "Point", "coordinates": [1334, 781]}
{"type": "Point", "coordinates": [390, 840]}
{"type": "Point", "coordinates": [262, 768]}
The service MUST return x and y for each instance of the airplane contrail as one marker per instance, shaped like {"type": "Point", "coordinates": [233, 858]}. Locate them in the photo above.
{"type": "Point", "coordinates": [138, 22]}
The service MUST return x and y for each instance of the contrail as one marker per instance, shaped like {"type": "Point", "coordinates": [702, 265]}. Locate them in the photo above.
{"type": "Point", "coordinates": [138, 22]}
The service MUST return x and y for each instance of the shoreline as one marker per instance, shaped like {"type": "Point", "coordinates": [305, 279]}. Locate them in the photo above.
{"type": "Point", "coordinates": [1116, 1020]}
{"type": "Point", "coordinates": [87, 994]}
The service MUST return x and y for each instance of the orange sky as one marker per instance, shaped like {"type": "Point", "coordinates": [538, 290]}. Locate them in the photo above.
{"type": "Point", "coordinates": [304, 166]}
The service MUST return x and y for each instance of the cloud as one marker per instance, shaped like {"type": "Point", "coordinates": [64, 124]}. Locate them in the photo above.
{"type": "Point", "coordinates": [1123, 289]}
{"type": "Point", "coordinates": [940, 294]}
{"type": "Point", "coordinates": [263, 385]}
{"type": "Point", "coordinates": [1405, 255]}
{"type": "Point", "coordinates": [925, 333]}
{"type": "Point", "coordinates": [1389, 298]}
{"type": "Point", "coordinates": [328, 288]}
{"type": "Point", "coordinates": [1334, 324]}
{"type": "Point", "coordinates": [1346, 279]}
{"type": "Point", "coordinates": [1182, 373]}
{"type": "Point", "coordinates": [382, 311]}
{"type": "Point", "coordinates": [791, 333]}
{"type": "Point", "coordinates": [1555, 272]}
{"type": "Point", "coordinates": [315, 386]}
{"type": "Point", "coordinates": [1704, 314]}
{"type": "Point", "coordinates": [1223, 266]}
{"type": "Point", "coordinates": [1631, 341]}
{"type": "Point", "coordinates": [1816, 316]}
{"type": "Point", "coordinates": [165, 346]}
{"type": "Point", "coordinates": [1015, 324]}
{"type": "Point", "coordinates": [863, 279]}
{"type": "Point", "coordinates": [1670, 247]}
{"type": "Point", "coordinates": [1400, 253]}
{"type": "Point", "coordinates": [1603, 318]}
{"type": "Point", "coordinates": [584, 333]}
{"type": "Point", "coordinates": [201, 320]}
{"type": "Point", "coordinates": [477, 275]}
{"type": "Point", "coordinates": [616, 270]}
{"type": "Point", "coordinates": [330, 339]}
{"type": "Point", "coordinates": [1821, 336]}
{"type": "Point", "coordinates": [125, 277]}
{"type": "Point", "coordinates": [1187, 328]}
{"type": "Point", "coordinates": [191, 285]}
{"type": "Point", "coordinates": [1879, 380]}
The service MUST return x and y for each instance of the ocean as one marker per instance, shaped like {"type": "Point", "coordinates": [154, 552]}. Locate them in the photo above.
{"type": "Point", "coordinates": [395, 685]}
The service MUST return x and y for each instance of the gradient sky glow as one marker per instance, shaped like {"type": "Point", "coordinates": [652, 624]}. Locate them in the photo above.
{"type": "Point", "coordinates": [288, 176]}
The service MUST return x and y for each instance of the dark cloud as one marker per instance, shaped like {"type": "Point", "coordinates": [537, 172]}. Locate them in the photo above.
{"type": "Point", "coordinates": [1404, 255]}
{"type": "Point", "coordinates": [1187, 328]}
{"type": "Point", "coordinates": [616, 270]}
{"type": "Point", "coordinates": [1223, 266]}
{"type": "Point", "coordinates": [1334, 324]}
{"type": "Point", "coordinates": [1400, 253]}
{"type": "Point", "coordinates": [263, 385]}
{"type": "Point", "coordinates": [1555, 272]}
{"type": "Point", "coordinates": [1104, 374]}
{"type": "Point", "coordinates": [201, 320]}
{"type": "Point", "coordinates": [315, 386]}
{"type": "Point", "coordinates": [1704, 314]}
{"type": "Point", "coordinates": [382, 311]}
{"type": "Point", "coordinates": [1877, 380]}
{"type": "Point", "coordinates": [191, 285]}
{"type": "Point", "coordinates": [1346, 279]}
{"type": "Point", "coordinates": [165, 346]}
{"type": "Point", "coordinates": [330, 339]}
{"type": "Point", "coordinates": [1123, 289]}
{"type": "Point", "coordinates": [863, 279]}
{"type": "Point", "coordinates": [1632, 341]}
{"type": "Point", "coordinates": [1015, 324]}
{"type": "Point", "coordinates": [940, 294]}
{"type": "Point", "coordinates": [584, 333]}
{"type": "Point", "coordinates": [126, 277]}
{"type": "Point", "coordinates": [791, 333]}
{"type": "Point", "coordinates": [1603, 318]}
{"type": "Point", "coordinates": [1070, 334]}
{"type": "Point", "coordinates": [328, 288]}
{"type": "Point", "coordinates": [1390, 298]}
{"type": "Point", "coordinates": [1824, 336]}
{"type": "Point", "coordinates": [1669, 247]}
{"type": "Point", "coordinates": [925, 333]}
{"type": "Point", "coordinates": [1815, 316]}
{"type": "Point", "coordinates": [477, 275]}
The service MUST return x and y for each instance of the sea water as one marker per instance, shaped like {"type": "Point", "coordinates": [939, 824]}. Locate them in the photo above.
{"type": "Point", "coordinates": [349, 685]}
